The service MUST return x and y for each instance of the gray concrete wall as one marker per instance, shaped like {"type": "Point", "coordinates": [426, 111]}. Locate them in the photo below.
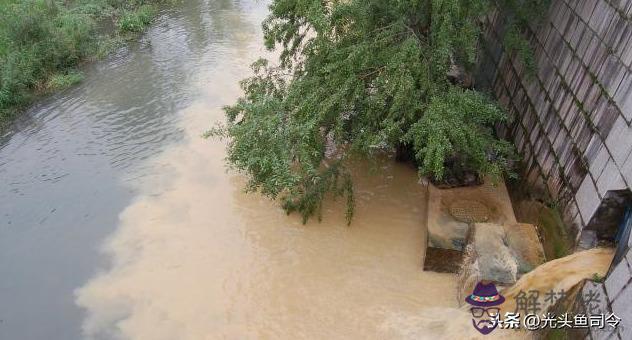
{"type": "Point", "coordinates": [571, 120]}
{"type": "Point", "coordinates": [619, 293]}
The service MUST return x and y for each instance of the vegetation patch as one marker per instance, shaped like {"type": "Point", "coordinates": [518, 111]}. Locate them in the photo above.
{"type": "Point", "coordinates": [556, 241]}
{"type": "Point", "coordinates": [529, 207]}
{"type": "Point", "coordinates": [137, 19]}
{"type": "Point", "coordinates": [43, 41]}
{"type": "Point", "coordinates": [62, 81]}
{"type": "Point", "coordinates": [533, 204]}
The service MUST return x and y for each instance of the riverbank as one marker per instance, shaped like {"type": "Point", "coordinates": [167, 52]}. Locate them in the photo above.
{"type": "Point", "coordinates": [42, 43]}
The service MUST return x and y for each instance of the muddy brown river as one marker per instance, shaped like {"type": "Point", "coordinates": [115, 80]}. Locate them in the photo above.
{"type": "Point", "coordinates": [120, 222]}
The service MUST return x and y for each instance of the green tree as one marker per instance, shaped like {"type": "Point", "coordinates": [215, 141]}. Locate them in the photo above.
{"type": "Point", "coordinates": [356, 77]}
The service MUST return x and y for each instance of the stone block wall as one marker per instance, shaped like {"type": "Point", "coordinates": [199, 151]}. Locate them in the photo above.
{"type": "Point", "coordinates": [571, 121]}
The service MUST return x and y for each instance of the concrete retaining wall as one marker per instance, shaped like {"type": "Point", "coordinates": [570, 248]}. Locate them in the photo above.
{"type": "Point", "coordinates": [571, 120]}
{"type": "Point", "coordinates": [619, 291]}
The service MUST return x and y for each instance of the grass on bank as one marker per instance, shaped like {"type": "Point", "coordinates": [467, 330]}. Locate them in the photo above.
{"type": "Point", "coordinates": [62, 81]}
{"type": "Point", "coordinates": [43, 41]}
{"type": "Point", "coordinates": [557, 243]}
{"type": "Point", "coordinates": [136, 20]}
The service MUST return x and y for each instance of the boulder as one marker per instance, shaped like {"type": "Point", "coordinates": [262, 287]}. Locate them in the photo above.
{"type": "Point", "coordinates": [494, 260]}
{"type": "Point", "coordinates": [499, 253]}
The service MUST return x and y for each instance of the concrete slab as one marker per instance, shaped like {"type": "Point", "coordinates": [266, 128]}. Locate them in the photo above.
{"type": "Point", "coordinates": [447, 232]}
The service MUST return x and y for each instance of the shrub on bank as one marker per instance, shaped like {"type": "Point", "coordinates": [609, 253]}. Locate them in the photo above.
{"type": "Point", "coordinates": [64, 80]}
{"type": "Point", "coordinates": [136, 20]}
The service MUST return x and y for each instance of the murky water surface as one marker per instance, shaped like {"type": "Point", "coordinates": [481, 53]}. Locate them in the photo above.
{"type": "Point", "coordinates": [119, 221]}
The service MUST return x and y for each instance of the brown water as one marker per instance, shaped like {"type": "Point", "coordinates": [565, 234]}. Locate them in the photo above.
{"type": "Point", "coordinates": [196, 258]}
{"type": "Point", "coordinates": [193, 257]}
